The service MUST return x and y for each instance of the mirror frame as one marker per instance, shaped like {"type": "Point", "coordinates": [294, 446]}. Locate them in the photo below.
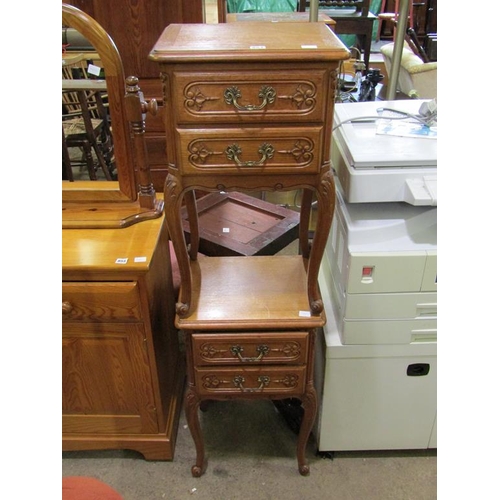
{"type": "Point", "coordinates": [125, 188]}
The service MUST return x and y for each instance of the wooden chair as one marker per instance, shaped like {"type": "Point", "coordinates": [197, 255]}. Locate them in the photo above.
{"type": "Point", "coordinates": [85, 120]}
{"type": "Point", "coordinates": [352, 17]}
{"type": "Point", "coordinates": [67, 171]}
{"type": "Point", "coordinates": [74, 67]}
{"type": "Point", "coordinates": [391, 17]}
{"type": "Point", "coordinates": [411, 37]}
{"type": "Point", "coordinates": [91, 135]}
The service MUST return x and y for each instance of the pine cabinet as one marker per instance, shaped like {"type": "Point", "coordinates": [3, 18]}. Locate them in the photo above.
{"type": "Point", "coordinates": [122, 371]}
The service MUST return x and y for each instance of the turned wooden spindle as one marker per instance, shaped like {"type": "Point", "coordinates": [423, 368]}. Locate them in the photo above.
{"type": "Point", "coordinates": [136, 108]}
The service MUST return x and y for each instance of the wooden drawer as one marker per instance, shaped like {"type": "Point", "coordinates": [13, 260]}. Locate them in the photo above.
{"type": "Point", "coordinates": [100, 302]}
{"type": "Point", "coordinates": [249, 96]}
{"type": "Point", "coordinates": [250, 348]}
{"type": "Point", "coordinates": [250, 380]}
{"type": "Point", "coordinates": [250, 150]}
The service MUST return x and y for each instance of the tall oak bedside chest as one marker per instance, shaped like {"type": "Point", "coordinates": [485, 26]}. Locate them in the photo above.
{"type": "Point", "coordinates": [249, 107]}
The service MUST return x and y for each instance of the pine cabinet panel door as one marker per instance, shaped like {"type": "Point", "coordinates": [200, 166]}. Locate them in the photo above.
{"type": "Point", "coordinates": [106, 379]}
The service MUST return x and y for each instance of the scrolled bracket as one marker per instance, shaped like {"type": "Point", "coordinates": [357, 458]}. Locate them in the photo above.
{"type": "Point", "coordinates": [182, 309]}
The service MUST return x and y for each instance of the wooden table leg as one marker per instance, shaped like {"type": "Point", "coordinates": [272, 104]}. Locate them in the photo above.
{"type": "Point", "coordinates": [310, 405]}
{"type": "Point", "coordinates": [366, 43]}
{"type": "Point", "coordinates": [191, 407]}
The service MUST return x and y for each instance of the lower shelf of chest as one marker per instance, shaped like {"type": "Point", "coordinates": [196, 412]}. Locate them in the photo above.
{"type": "Point", "coordinates": [261, 292]}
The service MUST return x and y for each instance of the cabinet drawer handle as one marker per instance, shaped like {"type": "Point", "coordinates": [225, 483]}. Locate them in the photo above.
{"type": "Point", "coordinates": [66, 307]}
{"type": "Point", "coordinates": [266, 151]}
{"type": "Point", "coordinates": [263, 380]}
{"type": "Point", "coordinates": [266, 94]}
{"type": "Point", "coordinates": [427, 309]}
{"type": "Point", "coordinates": [261, 349]}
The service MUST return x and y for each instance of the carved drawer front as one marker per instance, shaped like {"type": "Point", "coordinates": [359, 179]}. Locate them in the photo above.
{"type": "Point", "coordinates": [248, 349]}
{"type": "Point", "coordinates": [100, 302]}
{"type": "Point", "coordinates": [250, 150]}
{"type": "Point", "coordinates": [250, 96]}
{"type": "Point", "coordinates": [250, 380]}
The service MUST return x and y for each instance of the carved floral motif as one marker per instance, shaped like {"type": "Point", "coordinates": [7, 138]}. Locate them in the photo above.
{"type": "Point", "coordinates": [212, 382]}
{"type": "Point", "coordinates": [209, 351]}
{"type": "Point", "coordinates": [291, 349]}
{"type": "Point", "coordinates": [199, 153]}
{"type": "Point", "coordinates": [289, 380]}
{"type": "Point", "coordinates": [303, 97]}
{"type": "Point", "coordinates": [195, 98]}
{"type": "Point", "coordinates": [301, 151]}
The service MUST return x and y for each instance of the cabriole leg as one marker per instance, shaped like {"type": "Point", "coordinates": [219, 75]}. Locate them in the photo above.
{"type": "Point", "coordinates": [191, 407]}
{"type": "Point", "coordinates": [310, 405]}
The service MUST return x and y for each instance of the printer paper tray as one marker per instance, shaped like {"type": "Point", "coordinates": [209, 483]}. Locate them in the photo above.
{"type": "Point", "coordinates": [388, 331]}
{"type": "Point", "coordinates": [376, 306]}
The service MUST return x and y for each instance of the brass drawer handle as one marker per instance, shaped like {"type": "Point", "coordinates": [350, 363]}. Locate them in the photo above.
{"type": "Point", "coordinates": [66, 307]}
{"type": "Point", "coordinates": [266, 93]}
{"type": "Point", "coordinates": [263, 380]}
{"type": "Point", "coordinates": [261, 349]}
{"type": "Point", "coordinates": [266, 151]}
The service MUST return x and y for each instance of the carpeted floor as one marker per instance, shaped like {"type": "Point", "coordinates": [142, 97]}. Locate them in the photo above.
{"type": "Point", "coordinates": [251, 456]}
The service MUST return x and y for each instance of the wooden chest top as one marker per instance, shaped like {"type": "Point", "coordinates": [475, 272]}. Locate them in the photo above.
{"type": "Point", "coordinates": [234, 42]}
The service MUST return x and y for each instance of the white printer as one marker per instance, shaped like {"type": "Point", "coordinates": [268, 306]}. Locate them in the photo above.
{"type": "Point", "coordinates": [382, 260]}
{"type": "Point", "coordinates": [374, 167]}
{"type": "Point", "coordinates": [376, 362]}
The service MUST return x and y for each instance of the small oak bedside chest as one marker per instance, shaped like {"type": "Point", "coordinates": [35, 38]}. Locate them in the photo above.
{"type": "Point", "coordinates": [249, 107]}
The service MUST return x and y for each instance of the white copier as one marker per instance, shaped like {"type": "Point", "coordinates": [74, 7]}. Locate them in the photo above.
{"type": "Point", "coordinates": [374, 167]}
{"type": "Point", "coordinates": [376, 361]}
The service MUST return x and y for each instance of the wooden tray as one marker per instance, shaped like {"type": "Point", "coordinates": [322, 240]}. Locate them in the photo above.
{"type": "Point", "coordinates": [238, 224]}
